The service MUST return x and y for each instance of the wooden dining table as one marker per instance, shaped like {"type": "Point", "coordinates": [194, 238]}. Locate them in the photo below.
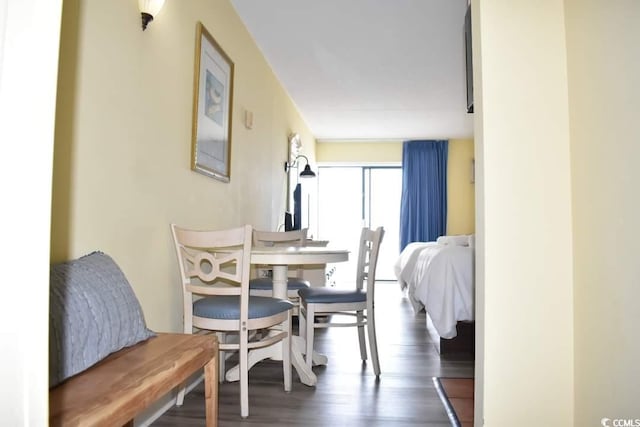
{"type": "Point", "coordinates": [280, 258]}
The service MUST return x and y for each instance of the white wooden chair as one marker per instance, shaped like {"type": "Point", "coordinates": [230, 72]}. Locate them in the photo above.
{"type": "Point", "coordinates": [214, 267]}
{"type": "Point", "coordinates": [358, 302]}
{"type": "Point", "coordinates": [263, 286]}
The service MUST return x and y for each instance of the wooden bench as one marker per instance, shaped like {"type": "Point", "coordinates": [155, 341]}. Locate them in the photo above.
{"type": "Point", "coordinates": [115, 390]}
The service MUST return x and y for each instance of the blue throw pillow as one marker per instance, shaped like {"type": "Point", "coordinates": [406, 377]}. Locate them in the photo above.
{"type": "Point", "coordinates": [93, 312]}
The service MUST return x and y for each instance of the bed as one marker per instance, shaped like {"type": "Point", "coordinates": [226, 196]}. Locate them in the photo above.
{"type": "Point", "coordinates": [438, 277]}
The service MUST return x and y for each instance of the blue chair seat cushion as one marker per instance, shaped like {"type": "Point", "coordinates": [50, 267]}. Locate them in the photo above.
{"type": "Point", "coordinates": [330, 295]}
{"type": "Point", "coordinates": [266, 283]}
{"type": "Point", "coordinates": [228, 307]}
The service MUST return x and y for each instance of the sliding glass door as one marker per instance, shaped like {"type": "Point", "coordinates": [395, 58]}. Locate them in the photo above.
{"type": "Point", "coordinates": [356, 196]}
{"type": "Point", "coordinates": [383, 196]}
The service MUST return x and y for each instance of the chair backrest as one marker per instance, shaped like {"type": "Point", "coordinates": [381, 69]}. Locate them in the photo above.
{"type": "Point", "coordinates": [368, 259]}
{"type": "Point", "coordinates": [214, 263]}
{"type": "Point", "coordinates": [279, 238]}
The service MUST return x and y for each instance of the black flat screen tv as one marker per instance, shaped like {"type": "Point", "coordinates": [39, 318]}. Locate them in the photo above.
{"type": "Point", "coordinates": [297, 207]}
{"type": "Point", "coordinates": [288, 221]}
{"type": "Point", "coordinates": [468, 59]}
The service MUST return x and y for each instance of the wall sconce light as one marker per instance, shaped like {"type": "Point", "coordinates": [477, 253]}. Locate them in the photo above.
{"type": "Point", "coordinates": [306, 172]}
{"type": "Point", "coordinates": [149, 9]}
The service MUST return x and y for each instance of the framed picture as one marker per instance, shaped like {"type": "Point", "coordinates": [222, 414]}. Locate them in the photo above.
{"type": "Point", "coordinates": [212, 107]}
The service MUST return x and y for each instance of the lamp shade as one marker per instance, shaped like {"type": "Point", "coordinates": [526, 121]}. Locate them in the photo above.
{"type": "Point", "coordinates": [152, 7]}
{"type": "Point", "coordinates": [307, 172]}
{"type": "Point", "coordinates": [149, 9]}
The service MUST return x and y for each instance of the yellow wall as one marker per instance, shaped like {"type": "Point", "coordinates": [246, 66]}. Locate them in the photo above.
{"type": "Point", "coordinates": [123, 141]}
{"type": "Point", "coordinates": [460, 191]}
{"type": "Point", "coordinates": [460, 197]}
{"type": "Point", "coordinates": [604, 94]}
{"type": "Point", "coordinates": [524, 287]}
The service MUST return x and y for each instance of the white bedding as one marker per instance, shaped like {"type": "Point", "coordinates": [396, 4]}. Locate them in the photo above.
{"type": "Point", "coordinates": [439, 278]}
{"type": "Point", "coordinates": [406, 263]}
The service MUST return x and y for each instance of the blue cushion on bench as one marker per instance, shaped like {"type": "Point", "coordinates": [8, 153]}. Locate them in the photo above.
{"type": "Point", "coordinates": [93, 312]}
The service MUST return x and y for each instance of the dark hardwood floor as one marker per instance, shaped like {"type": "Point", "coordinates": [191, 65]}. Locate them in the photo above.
{"type": "Point", "coordinates": [347, 393]}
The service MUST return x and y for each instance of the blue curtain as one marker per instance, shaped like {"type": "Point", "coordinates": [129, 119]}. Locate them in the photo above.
{"type": "Point", "coordinates": [423, 209]}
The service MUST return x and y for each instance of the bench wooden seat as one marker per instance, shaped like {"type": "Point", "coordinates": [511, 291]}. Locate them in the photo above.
{"type": "Point", "coordinates": [115, 390]}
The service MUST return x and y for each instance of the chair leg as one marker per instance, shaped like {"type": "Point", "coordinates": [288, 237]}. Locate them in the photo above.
{"type": "Point", "coordinates": [309, 331]}
{"type": "Point", "coordinates": [222, 357]}
{"type": "Point", "coordinates": [244, 375]}
{"type": "Point", "coordinates": [373, 343]}
{"type": "Point", "coordinates": [302, 327]}
{"type": "Point", "coordinates": [286, 354]}
{"type": "Point", "coordinates": [363, 344]}
{"type": "Point", "coordinates": [302, 324]}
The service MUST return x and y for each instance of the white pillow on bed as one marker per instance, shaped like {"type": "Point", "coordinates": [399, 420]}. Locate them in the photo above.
{"type": "Point", "coordinates": [458, 240]}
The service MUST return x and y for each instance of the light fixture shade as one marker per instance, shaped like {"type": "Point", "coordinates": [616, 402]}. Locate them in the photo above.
{"type": "Point", "coordinates": [152, 7]}
{"type": "Point", "coordinates": [149, 9]}
{"type": "Point", "coordinates": [307, 172]}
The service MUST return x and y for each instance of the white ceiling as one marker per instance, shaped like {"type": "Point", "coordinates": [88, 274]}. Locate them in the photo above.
{"type": "Point", "coordinates": [367, 69]}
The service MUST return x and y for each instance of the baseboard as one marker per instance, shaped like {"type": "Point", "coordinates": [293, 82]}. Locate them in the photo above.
{"type": "Point", "coordinates": [168, 401]}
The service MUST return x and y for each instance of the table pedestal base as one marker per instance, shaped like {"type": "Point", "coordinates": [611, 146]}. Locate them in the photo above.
{"type": "Point", "coordinates": [274, 352]}
{"type": "Point", "coordinates": [279, 262]}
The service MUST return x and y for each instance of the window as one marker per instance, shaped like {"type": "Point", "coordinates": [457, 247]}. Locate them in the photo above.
{"type": "Point", "coordinates": [350, 197]}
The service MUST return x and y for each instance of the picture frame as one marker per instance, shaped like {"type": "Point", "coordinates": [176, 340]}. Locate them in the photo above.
{"type": "Point", "coordinates": [212, 108]}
